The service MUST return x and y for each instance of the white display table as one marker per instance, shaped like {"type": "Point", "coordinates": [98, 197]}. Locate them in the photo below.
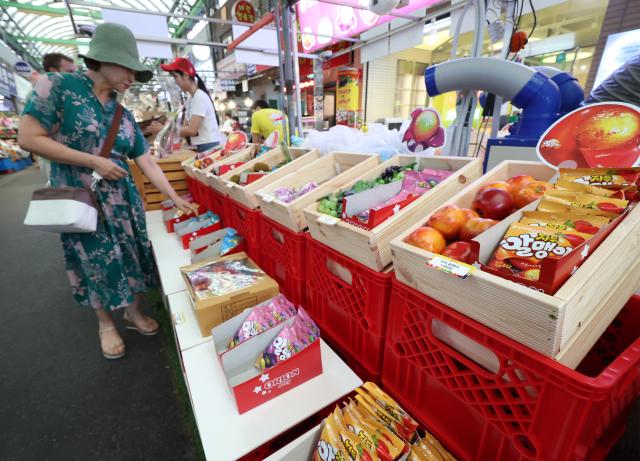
{"type": "Point", "coordinates": [225, 434]}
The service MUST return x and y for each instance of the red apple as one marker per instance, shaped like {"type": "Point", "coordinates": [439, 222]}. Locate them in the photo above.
{"type": "Point", "coordinates": [469, 214]}
{"type": "Point", "coordinates": [475, 226]}
{"type": "Point", "coordinates": [428, 239]}
{"type": "Point", "coordinates": [460, 251]}
{"type": "Point", "coordinates": [531, 192]}
{"type": "Point", "coordinates": [518, 182]}
{"type": "Point", "coordinates": [497, 185]}
{"type": "Point", "coordinates": [448, 220]}
{"type": "Point", "coordinates": [493, 204]}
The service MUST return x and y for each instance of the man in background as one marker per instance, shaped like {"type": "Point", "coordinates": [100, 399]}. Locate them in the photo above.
{"type": "Point", "coordinates": [622, 85]}
{"type": "Point", "coordinates": [265, 121]}
{"type": "Point", "coordinates": [56, 62]}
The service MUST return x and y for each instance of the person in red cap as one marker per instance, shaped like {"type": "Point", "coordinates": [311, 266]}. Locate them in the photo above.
{"type": "Point", "coordinates": [202, 128]}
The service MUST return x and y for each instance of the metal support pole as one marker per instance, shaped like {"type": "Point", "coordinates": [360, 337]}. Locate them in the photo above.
{"type": "Point", "coordinates": [281, 100]}
{"type": "Point", "coordinates": [506, 39]}
{"type": "Point", "coordinates": [318, 95]}
{"type": "Point", "coordinates": [296, 77]}
{"type": "Point", "coordinates": [288, 69]}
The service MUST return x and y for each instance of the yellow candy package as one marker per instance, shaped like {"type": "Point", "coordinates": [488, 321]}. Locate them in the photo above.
{"type": "Point", "coordinates": [563, 184]}
{"type": "Point", "coordinates": [388, 444]}
{"type": "Point", "coordinates": [589, 201]}
{"type": "Point", "coordinates": [330, 447]}
{"type": "Point", "coordinates": [616, 178]}
{"type": "Point", "coordinates": [555, 207]}
{"type": "Point", "coordinates": [391, 406]}
{"type": "Point", "coordinates": [587, 224]}
{"type": "Point", "coordinates": [353, 446]}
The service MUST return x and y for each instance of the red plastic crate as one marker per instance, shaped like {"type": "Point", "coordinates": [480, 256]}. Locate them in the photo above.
{"type": "Point", "coordinates": [218, 204]}
{"type": "Point", "coordinates": [245, 221]}
{"type": "Point", "coordinates": [284, 255]}
{"type": "Point", "coordinates": [520, 405]}
{"type": "Point", "coordinates": [350, 303]}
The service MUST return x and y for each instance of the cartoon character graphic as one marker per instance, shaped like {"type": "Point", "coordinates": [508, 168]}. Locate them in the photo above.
{"type": "Point", "coordinates": [424, 131]}
{"type": "Point", "coordinates": [346, 20]}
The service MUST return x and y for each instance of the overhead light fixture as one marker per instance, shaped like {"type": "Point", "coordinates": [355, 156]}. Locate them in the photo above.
{"type": "Point", "coordinates": [248, 102]}
{"type": "Point", "coordinates": [201, 52]}
{"type": "Point", "coordinates": [222, 106]}
{"type": "Point", "coordinates": [232, 105]}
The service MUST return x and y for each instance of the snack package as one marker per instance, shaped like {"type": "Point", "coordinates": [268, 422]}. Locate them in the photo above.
{"type": "Point", "coordinates": [368, 404]}
{"type": "Point", "coordinates": [355, 448]}
{"type": "Point", "coordinates": [436, 446]}
{"type": "Point", "coordinates": [222, 277]}
{"type": "Point", "coordinates": [263, 317]}
{"type": "Point", "coordinates": [394, 443]}
{"type": "Point", "coordinates": [523, 248]}
{"type": "Point", "coordinates": [588, 224]}
{"type": "Point", "coordinates": [230, 241]}
{"type": "Point", "coordinates": [563, 184]}
{"type": "Point", "coordinates": [391, 406]}
{"type": "Point", "coordinates": [386, 449]}
{"type": "Point", "coordinates": [291, 340]}
{"type": "Point", "coordinates": [330, 447]}
{"type": "Point", "coordinates": [558, 208]}
{"type": "Point", "coordinates": [614, 178]}
{"type": "Point", "coordinates": [289, 194]}
{"type": "Point", "coordinates": [590, 201]}
{"type": "Point", "coordinates": [417, 183]}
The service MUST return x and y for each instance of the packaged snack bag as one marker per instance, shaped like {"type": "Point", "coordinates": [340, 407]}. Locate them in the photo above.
{"type": "Point", "coordinates": [419, 454]}
{"type": "Point", "coordinates": [388, 445]}
{"type": "Point", "coordinates": [391, 406]}
{"type": "Point", "coordinates": [555, 207]}
{"type": "Point", "coordinates": [615, 178]}
{"type": "Point", "coordinates": [523, 248]}
{"type": "Point", "coordinates": [330, 447]}
{"type": "Point", "coordinates": [563, 184]}
{"type": "Point", "coordinates": [369, 438]}
{"type": "Point", "coordinates": [587, 224]}
{"type": "Point", "coordinates": [230, 241]}
{"type": "Point", "coordinates": [435, 444]}
{"type": "Point", "coordinates": [354, 447]}
{"type": "Point", "coordinates": [291, 340]}
{"type": "Point", "coordinates": [403, 424]}
{"type": "Point", "coordinates": [590, 201]}
{"type": "Point", "coordinates": [366, 403]}
{"type": "Point", "coordinates": [263, 317]}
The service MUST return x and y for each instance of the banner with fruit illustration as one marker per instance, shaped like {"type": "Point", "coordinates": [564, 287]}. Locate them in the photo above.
{"type": "Point", "coordinates": [602, 135]}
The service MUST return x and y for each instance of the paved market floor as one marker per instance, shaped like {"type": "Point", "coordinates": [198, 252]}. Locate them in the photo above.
{"type": "Point", "coordinates": [59, 399]}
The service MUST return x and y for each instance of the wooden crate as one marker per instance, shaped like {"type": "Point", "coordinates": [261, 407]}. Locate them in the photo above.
{"type": "Point", "coordinates": [187, 165]}
{"type": "Point", "coordinates": [371, 247]}
{"type": "Point", "coordinates": [550, 324]}
{"type": "Point", "coordinates": [246, 195]}
{"type": "Point", "coordinates": [245, 155]}
{"type": "Point", "coordinates": [331, 172]}
{"type": "Point", "coordinates": [173, 170]}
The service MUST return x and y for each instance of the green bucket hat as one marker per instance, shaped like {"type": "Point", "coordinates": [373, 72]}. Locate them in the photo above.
{"type": "Point", "coordinates": [115, 44]}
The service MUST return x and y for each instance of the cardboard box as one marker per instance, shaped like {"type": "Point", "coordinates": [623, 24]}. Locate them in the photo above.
{"type": "Point", "coordinates": [207, 247]}
{"type": "Point", "coordinates": [249, 386]}
{"type": "Point", "coordinates": [211, 309]}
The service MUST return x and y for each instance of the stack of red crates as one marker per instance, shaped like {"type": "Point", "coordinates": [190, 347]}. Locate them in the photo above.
{"type": "Point", "coordinates": [518, 405]}
{"type": "Point", "coordinates": [247, 222]}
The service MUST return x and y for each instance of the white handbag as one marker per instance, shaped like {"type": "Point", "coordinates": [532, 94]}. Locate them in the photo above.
{"type": "Point", "coordinates": [70, 209]}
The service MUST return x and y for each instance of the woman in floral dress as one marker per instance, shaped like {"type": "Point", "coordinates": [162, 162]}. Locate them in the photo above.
{"type": "Point", "coordinates": [66, 120]}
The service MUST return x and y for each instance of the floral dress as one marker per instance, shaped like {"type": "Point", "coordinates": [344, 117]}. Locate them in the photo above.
{"type": "Point", "coordinates": [108, 267]}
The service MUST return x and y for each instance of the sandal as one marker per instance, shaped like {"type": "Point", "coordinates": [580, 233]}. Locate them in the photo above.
{"type": "Point", "coordinates": [105, 353]}
{"type": "Point", "coordinates": [131, 325]}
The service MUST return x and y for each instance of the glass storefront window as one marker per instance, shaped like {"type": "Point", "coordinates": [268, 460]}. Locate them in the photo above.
{"type": "Point", "coordinates": [410, 89]}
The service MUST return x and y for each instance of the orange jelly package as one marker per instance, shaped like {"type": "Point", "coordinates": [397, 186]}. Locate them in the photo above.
{"type": "Point", "coordinates": [590, 201]}
{"type": "Point", "coordinates": [388, 445]}
{"type": "Point", "coordinates": [523, 248]}
{"type": "Point", "coordinates": [563, 184]}
{"type": "Point", "coordinates": [611, 178]}
{"type": "Point", "coordinates": [390, 419]}
{"type": "Point", "coordinates": [355, 448]}
{"type": "Point", "coordinates": [330, 447]}
{"type": "Point", "coordinates": [391, 406]}
{"type": "Point", "coordinates": [558, 208]}
{"type": "Point", "coordinates": [587, 224]}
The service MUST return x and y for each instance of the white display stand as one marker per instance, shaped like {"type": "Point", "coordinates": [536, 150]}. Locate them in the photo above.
{"type": "Point", "coordinates": [185, 324]}
{"type": "Point", "coordinates": [227, 435]}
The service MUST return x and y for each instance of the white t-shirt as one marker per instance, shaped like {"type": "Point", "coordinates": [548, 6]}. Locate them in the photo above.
{"type": "Point", "coordinates": [199, 104]}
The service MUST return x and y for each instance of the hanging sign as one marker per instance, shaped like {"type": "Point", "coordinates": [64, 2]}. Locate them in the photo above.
{"type": "Point", "coordinates": [244, 11]}
{"type": "Point", "coordinates": [347, 96]}
{"type": "Point", "coordinates": [600, 135]}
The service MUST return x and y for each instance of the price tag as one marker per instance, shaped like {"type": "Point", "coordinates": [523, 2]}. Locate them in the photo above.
{"type": "Point", "coordinates": [328, 220]}
{"type": "Point", "coordinates": [268, 198]}
{"type": "Point", "coordinates": [179, 318]}
{"type": "Point", "coordinates": [451, 267]}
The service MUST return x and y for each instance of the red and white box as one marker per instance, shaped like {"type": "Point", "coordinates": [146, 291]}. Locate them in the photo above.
{"type": "Point", "coordinates": [249, 386]}
{"type": "Point", "coordinates": [209, 246]}
{"type": "Point", "coordinates": [170, 220]}
{"type": "Point", "coordinates": [190, 237]}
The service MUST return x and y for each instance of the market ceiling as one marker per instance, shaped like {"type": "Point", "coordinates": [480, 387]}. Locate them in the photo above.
{"type": "Point", "coordinates": [34, 28]}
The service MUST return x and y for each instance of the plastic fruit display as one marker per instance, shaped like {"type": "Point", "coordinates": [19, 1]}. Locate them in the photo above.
{"type": "Point", "coordinates": [493, 204]}
{"type": "Point", "coordinates": [460, 251]}
{"type": "Point", "coordinates": [531, 192]}
{"type": "Point", "coordinates": [598, 135]}
{"type": "Point", "coordinates": [448, 220]}
{"type": "Point", "coordinates": [428, 239]}
{"type": "Point", "coordinates": [475, 226]}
